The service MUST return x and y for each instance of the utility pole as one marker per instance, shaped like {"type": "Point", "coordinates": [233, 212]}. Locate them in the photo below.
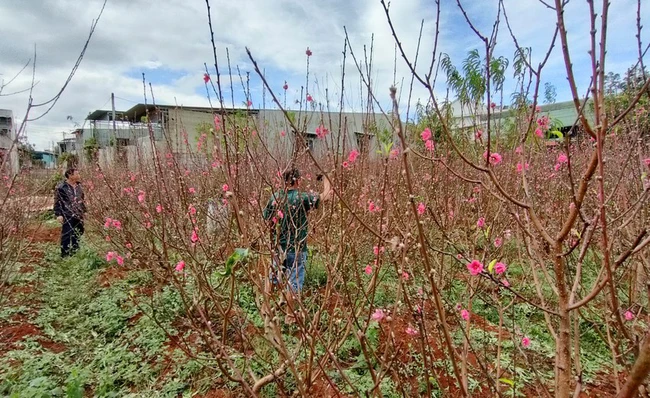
{"type": "Point", "coordinates": [113, 107]}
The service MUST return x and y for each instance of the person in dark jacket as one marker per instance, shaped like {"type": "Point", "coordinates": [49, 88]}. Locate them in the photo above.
{"type": "Point", "coordinates": [69, 209]}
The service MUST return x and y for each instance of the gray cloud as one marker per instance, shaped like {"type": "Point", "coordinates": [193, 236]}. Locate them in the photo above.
{"type": "Point", "coordinates": [173, 35]}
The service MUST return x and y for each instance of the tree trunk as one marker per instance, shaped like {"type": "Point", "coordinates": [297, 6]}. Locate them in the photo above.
{"type": "Point", "coordinates": [639, 371]}
{"type": "Point", "coordinates": [563, 343]}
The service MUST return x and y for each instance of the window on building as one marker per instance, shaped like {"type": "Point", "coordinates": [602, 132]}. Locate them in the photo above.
{"type": "Point", "coordinates": [363, 141]}
{"type": "Point", "coordinates": [310, 141]}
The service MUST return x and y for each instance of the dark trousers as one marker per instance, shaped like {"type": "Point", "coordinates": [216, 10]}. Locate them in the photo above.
{"type": "Point", "coordinates": [71, 232]}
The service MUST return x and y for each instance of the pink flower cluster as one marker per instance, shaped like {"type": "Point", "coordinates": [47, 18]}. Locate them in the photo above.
{"type": "Point", "coordinates": [321, 132]}
{"type": "Point", "coordinates": [352, 157]}
{"type": "Point", "coordinates": [428, 142]}
{"type": "Point", "coordinates": [108, 223]}
{"type": "Point", "coordinates": [561, 159]}
{"type": "Point", "coordinates": [112, 255]}
{"type": "Point", "coordinates": [543, 124]}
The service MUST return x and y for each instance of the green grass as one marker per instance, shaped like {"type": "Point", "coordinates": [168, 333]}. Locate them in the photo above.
{"type": "Point", "coordinates": [108, 351]}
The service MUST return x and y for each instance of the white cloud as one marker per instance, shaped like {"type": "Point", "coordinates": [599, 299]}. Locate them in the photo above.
{"type": "Point", "coordinates": [170, 41]}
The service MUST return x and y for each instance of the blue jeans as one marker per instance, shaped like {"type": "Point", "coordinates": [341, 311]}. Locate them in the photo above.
{"type": "Point", "coordinates": [293, 270]}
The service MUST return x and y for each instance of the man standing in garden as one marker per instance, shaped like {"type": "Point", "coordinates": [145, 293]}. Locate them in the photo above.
{"type": "Point", "coordinates": [289, 208]}
{"type": "Point", "coordinates": [69, 209]}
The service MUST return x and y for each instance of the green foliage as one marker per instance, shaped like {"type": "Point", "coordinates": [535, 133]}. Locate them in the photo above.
{"type": "Point", "coordinates": [109, 346]}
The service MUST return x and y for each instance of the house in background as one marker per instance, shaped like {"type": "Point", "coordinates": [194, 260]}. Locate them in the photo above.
{"type": "Point", "coordinates": [183, 127]}
{"type": "Point", "coordinates": [8, 144]}
{"type": "Point", "coordinates": [44, 159]}
{"type": "Point", "coordinates": [563, 116]}
{"type": "Point", "coordinates": [69, 145]}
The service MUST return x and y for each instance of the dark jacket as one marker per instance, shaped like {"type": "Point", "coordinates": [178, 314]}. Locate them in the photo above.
{"type": "Point", "coordinates": [69, 201]}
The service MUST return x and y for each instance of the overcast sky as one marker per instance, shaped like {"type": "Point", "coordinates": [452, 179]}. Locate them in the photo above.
{"type": "Point", "coordinates": [169, 41]}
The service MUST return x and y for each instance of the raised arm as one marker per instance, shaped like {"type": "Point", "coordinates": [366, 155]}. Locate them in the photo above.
{"type": "Point", "coordinates": [327, 189]}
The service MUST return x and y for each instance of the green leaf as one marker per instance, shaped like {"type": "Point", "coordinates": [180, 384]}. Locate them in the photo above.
{"type": "Point", "coordinates": [558, 134]}
{"type": "Point", "coordinates": [239, 255]}
{"type": "Point", "coordinates": [491, 266]}
{"type": "Point", "coordinates": [507, 381]}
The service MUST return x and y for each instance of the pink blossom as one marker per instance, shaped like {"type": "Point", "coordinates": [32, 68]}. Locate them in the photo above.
{"type": "Point", "coordinates": [493, 105]}
{"type": "Point", "coordinates": [394, 154]}
{"type": "Point", "coordinates": [110, 256]}
{"type": "Point", "coordinates": [421, 208]}
{"type": "Point", "coordinates": [543, 122]}
{"type": "Point", "coordinates": [505, 282]}
{"type": "Point", "coordinates": [192, 210]}
{"type": "Point", "coordinates": [249, 103]}
{"type": "Point", "coordinates": [525, 342]}
{"type": "Point", "coordinates": [283, 133]}
{"type": "Point", "coordinates": [345, 164]}
{"type": "Point", "coordinates": [378, 315]}
{"type": "Point", "coordinates": [353, 156]}
{"type": "Point", "coordinates": [107, 238]}
{"type": "Point", "coordinates": [141, 195]}
{"type": "Point", "coordinates": [519, 149]}
{"type": "Point", "coordinates": [411, 332]}
{"type": "Point", "coordinates": [321, 131]}
{"type": "Point", "coordinates": [500, 268]}
{"type": "Point", "coordinates": [647, 162]}
{"type": "Point", "coordinates": [498, 242]}
{"type": "Point", "coordinates": [377, 250]}
{"type": "Point", "coordinates": [562, 158]}
{"type": "Point", "coordinates": [159, 208]}
{"type": "Point", "coordinates": [430, 145]}
{"type": "Point", "coordinates": [117, 224]}
{"type": "Point", "coordinates": [521, 167]}
{"type": "Point", "coordinates": [191, 190]}
{"type": "Point", "coordinates": [475, 267]}
{"type": "Point", "coordinates": [120, 260]}
{"type": "Point", "coordinates": [539, 133]}
{"type": "Point", "coordinates": [286, 86]}
{"type": "Point", "coordinates": [368, 269]}
{"type": "Point", "coordinates": [495, 158]}
{"type": "Point", "coordinates": [464, 314]}
{"type": "Point", "coordinates": [478, 135]}
{"type": "Point", "coordinates": [180, 266]}
{"type": "Point", "coordinates": [426, 134]}
{"type": "Point", "coordinates": [629, 315]}
{"type": "Point", "coordinates": [206, 78]}
{"type": "Point", "coordinates": [308, 52]}
{"type": "Point", "coordinates": [108, 223]}
{"type": "Point", "coordinates": [371, 207]}
{"type": "Point", "coordinates": [309, 98]}
{"type": "Point", "coordinates": [405, 275]}
{"type": "Point", "coordinates": [225, 187]}
{"type": "Point", "coordinates": [280, 214]}
{"type": "Point", "coordinates": [480, 222]}
{"type": "Point", "coordinates": [128, 245]}
{"type": "Point", "coordinates": [195, 236]}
